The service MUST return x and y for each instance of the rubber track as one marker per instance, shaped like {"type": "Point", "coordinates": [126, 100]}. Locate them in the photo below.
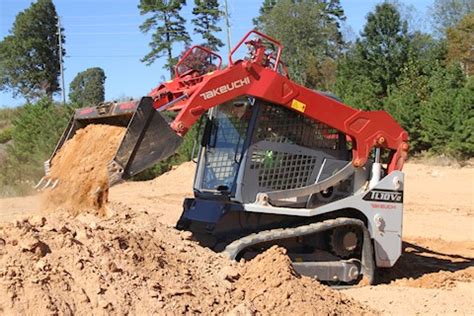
{"type": "Point", "coordinates": [233, 249]}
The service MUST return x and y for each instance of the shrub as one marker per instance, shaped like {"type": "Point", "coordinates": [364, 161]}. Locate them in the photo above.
{"type": "Point", "coordinates": [6, 135]}
{"type": "Point", "coordinates": [35, 131]}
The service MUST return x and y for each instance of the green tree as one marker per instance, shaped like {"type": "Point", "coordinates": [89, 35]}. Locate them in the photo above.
{"type": "Point", "coordinates": [6, 116]}
{"type": "Point", "coordinates": [460, 40]}
{"type": "Point", "coordinates": [5, 135]}
{"type": "Point", "coordinates": [265, 9]}
{"type": "Point", "coordinates": [29, 56]}
{"type": "Point", "coordinates": [87, 88]}
{"type": "Point", "coordinates": [36, 130]}
{"type": "Point", "coordinates": [168, 29]}
{"type": "Point", "coordinates": [376, 60]}
{"type": "Point", "coordinates": [207, 16]}
{"type": "Point", "coordinates": [310, 32]}
{"type": "Point", "coordinates": [438, 118]}
{"type": "Point", "coordinates": [448, 13]}
{"type": "Point", "coordinates": [353, 84]}
{"type": "Point", "coordinates": [462, 140]}
{"type": "Point", "coordinates": [406, 100]}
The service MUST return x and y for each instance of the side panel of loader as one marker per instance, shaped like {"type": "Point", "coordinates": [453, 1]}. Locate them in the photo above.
{"type": "Point", "coordinates": [148, 139]}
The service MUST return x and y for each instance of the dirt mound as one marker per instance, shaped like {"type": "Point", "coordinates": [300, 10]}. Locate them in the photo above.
{"type": "Point", "coordinates": [131, 264]}
{"type": "Point", "coordinates": [81, 167]}
{"type": "Point", "coordinates": [28, 282]}
{"type": "Point", "coordinates": [269, 283]}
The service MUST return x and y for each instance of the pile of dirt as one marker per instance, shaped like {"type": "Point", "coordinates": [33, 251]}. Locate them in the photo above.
{"type": "Point", "coordinates": [66, 264]}
{"type": "Point", "coordinates": [131, 264]}
{"type": "Point", "coordinates": [270, 283]}
{"type": "Point", "coordinates": [81, 168]}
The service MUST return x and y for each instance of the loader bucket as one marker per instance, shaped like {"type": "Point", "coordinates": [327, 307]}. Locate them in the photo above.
{"type": "Point", "coordinates": [147, 140]}
{"type": "Point", "coordinates": [109, 113]}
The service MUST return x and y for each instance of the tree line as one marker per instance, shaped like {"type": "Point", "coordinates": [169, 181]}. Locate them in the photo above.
{"type": "Point", "coordinates": [422, 79]}
{"type": "Point", "coordinates": [29, 67]}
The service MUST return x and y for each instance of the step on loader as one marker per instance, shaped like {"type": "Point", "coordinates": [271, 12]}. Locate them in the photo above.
{"type": "Point", "coordinates": [277, 163]}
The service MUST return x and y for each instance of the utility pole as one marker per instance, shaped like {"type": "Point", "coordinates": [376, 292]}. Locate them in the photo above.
{"type": "Point", "coordinates": [227, 24]}
{"type": "Point", "coordinates": [60, 39]}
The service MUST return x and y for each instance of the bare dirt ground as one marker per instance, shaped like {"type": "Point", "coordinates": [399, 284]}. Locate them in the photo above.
{"type": "Point", "coordinates": [434, 276]}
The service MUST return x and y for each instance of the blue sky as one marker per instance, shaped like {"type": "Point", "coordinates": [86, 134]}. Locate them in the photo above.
{"type": "Point", "coordinates": [104, 33]}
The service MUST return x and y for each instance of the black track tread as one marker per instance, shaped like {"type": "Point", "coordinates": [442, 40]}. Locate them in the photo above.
{"type": "Point", "coordinates": [233, 249]}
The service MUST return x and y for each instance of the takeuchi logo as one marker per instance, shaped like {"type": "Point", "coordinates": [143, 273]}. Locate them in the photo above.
{"type": "Point", "coordinates": [225, 88]}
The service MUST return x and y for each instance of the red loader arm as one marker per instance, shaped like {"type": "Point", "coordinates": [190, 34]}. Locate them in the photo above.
{"type": "Point", "coordinates": [192, 94]}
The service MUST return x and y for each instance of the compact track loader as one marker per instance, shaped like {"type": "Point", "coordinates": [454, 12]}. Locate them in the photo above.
{"type": "Point", "coordinates": [278, 163]}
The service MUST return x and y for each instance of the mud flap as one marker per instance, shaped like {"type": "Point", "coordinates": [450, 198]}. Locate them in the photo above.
{"type": "Point", "coordinates": [148, 140]}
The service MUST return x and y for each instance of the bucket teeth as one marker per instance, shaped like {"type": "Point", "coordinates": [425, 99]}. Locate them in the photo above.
{"type": "Point", "coordinates": [55, 183]}
{"type": "Point", "coordinates": [47, 167]}
{"type": "Point", "coordinates": [45, 183]}
{"type": "Point", "coordinates": [40, 182]}
{"type": "Point", "coordinates": [115, 172]}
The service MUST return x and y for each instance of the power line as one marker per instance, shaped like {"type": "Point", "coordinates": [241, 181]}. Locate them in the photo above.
{"type": "Point", "coordinates": [82, 16]}
{"type": "Point", "coordinates": [103, 24]}
{"type": "Point", "coordinates": [100, 16]}
{"type": "Point", "coordinates": [103, 33]}
{"type": "Point", "coordinates": [227, 24]}
{"type": "Point", "coordinates": [60, 38]}
{"type": "Point", "coordinates": [103, 56]}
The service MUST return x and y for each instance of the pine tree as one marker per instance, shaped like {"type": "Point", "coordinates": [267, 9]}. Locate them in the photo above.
{"type": "Point", "coordinates": [383, 46]}
{"type": "Point", "coordinates": [353, 85]}
{"type": "Point", "coordinates": [29, 56]}
{"type": "Point", "coordinates": [377, 58]}
{"type": "Point", "coordinates": [462, 140]}
{"type": "Point", "coordinates": [87, 88]}
{"type": "Point", "coordinates": [264, 10]}
{"type": "Point", "coordinates": [310, 32]}
{"type": "Point", "coordinates": [207, 16]}
{"type": "Point", "coordinates": [438, 115]}
{"type": "Point", "coordinates": [406, 100]}
{"type": "Point", "coordinates": [168, 29]}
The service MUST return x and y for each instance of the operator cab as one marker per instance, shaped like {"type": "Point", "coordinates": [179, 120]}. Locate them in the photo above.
{"type": "Point", "coordinates": [251, 146]}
